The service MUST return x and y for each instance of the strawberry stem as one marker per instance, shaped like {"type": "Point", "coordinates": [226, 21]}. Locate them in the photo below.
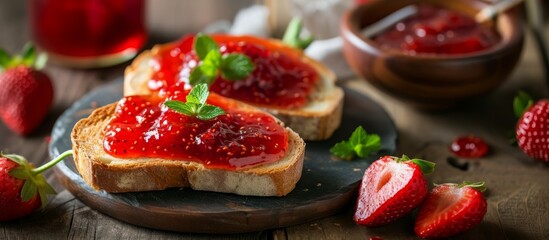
{"type": "Point", "coordinates": [52, 162]}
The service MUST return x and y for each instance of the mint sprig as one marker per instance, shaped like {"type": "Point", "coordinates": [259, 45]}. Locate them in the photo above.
{"type": "Point", "coordinates": [292, 36]}
{"type": "Point", "coordinates": [196, 104]}
{"type": "Point", "coordinates": [232, 66]}
{"type": "Point", "coordinates": [359, 144]}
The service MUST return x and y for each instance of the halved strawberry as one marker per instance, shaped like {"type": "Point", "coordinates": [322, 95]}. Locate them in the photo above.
{"type": "Point", "coordinates": [391, 188]}
{"type": "Point", "coordinates": [450, 209]}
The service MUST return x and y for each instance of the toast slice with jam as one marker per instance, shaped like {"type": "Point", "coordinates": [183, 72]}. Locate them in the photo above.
{"type": "Point", "coordinates": [296, 89]}
{"type": "Point", "coordinates": [143, 144]}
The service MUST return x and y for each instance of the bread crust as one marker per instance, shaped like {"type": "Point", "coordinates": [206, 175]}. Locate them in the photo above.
{"type": "Point", "coordinates": [316, 121]}
{"type": "Point", "coordinates": [102, 171]}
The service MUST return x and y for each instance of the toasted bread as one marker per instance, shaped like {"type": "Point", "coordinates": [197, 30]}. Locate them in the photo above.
{"type": "Point", "coordinates": [103, 171]}
{"type": "Point", "coordinates": [317, 120]}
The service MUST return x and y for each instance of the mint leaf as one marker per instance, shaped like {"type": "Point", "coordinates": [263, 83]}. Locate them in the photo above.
{"type": "Point", "coordinates": [196, 104]}
{"type": "Point", "coordinates": [343, 150]}
{"type": "Point", "coordinates": [360, 144]}
{"type": "Point", "coordinates": [199, 94]}
{"type": "Point", "coordinates": [236, 66]}
{"type": "Point", "coordinates": [204, 44]}
{"type": "Point", "coordinates": [211, 63]}
{"type": "Point", "coordinates": [208, 70]}
{"type": "Point", "coordinates": [371, 144]}
{"type": "Point", "coordinates": [358, 136]}
{"type": "Point", "coordinates": [181, 107]}
{"type": "Point", "coordinates": [208, 112]}
{"type": "Point", "coordinates": [292, 36]}
{"type": "Point", "coordinates": [198, 76]}
{"type": "Point", "coordinates": [233, 66]}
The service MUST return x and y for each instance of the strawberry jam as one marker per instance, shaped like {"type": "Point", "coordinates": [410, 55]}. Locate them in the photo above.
{"type": "Point", "coordinates": [144, 127]}
{"type": "Point", "coordinates": [469, 147]}
{"type": "Point", "coordinates": [440, 31]}
{"type": "Point", "coordinates": [281, 79]}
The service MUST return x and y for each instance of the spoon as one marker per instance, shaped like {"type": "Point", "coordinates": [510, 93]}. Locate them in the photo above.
{"type": "Point", "coordinates": [491, 11]}
{"type": "Point", "coordinates": [535, 20]}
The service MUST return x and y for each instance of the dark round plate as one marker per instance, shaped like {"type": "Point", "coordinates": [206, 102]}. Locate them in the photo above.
{"type": "Point", "coordinates": [325, 187]}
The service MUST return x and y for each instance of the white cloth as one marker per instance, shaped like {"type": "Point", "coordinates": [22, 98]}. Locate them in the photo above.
{"type": "Point", "coordinates": [254, 21]}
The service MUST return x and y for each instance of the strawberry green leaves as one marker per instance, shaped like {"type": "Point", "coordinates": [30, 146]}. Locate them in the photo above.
{"type": "Point", "coordinates": [479, 186]}
{"type": "Point", "coordinates": [34, 181]}
{"type": "Point", "coordinates": [521, 103]}
{"type": "Point", "coordinates": [360, 144]}
{"type": "Point", "coordinates": [425, 166]}
{"type": "Point", "coordinates": [28, 57]}
{"type": "Point", "coordinates": [231, 66]}
{"type": "Point", "coordinates": [196, 104]}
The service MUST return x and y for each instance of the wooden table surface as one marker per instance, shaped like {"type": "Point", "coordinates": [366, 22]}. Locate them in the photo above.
{"type": "Point", "coordinates": [518, 195]}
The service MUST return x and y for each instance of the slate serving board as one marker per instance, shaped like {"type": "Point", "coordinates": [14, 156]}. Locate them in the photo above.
{"type": "Point", "coordinates": [325, 187]}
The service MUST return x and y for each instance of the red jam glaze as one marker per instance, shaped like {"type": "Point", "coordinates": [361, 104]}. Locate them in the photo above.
{"type": "Point", "coordinates": [439, 31]}
{"type": "Point", "coordinates": [280, 79]}
{"type": "Point", "coordinates": [469, 147]}
{"type": "Point", "coordinates": [144, 127]}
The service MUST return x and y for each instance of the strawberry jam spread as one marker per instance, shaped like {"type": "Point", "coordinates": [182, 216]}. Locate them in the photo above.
{"type": "Point", "coordinates": [439, 31]}
{"type": "Point", "coordinates": [144, 127]}
{"type": "Point", "coordinates": [280, 78]}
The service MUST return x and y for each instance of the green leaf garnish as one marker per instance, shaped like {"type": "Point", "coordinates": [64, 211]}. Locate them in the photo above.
{"type": "Point", "coordinates": [203, 45]}
{"type": "Point", "coordinates": [231, 66]}
{"type": "Point", "coordinates": [180, 107]}
{"type": "Point", "coordinates": [198, 76]}
{"type": "Point", "coordinates": [521, 103]}
{"type": "Point", "coordinates": [196, 104]}
{"type": "Point", "coordinates": [208, 112]}
{"type": "Point", "coordinates": [360, 144]}
{"type": "Point", "coordinates": [292, 36]}
{"type": "Point", "coordinates": [236, 66]}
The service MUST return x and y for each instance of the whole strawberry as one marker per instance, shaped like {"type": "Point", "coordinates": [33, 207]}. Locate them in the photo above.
{"type": "Point", "coordinates": [391, 188]}
{"type": "Point", "coordinates": [450, 209]}
{"type": "Point", "coordinates": [532, 131]}
{"type": "Point", "coordinates": [26, 93]}
{"type": "Point", "coordinates": [23, 189]}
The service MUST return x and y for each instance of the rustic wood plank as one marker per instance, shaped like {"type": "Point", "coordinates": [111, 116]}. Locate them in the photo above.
{"type": "Point", "coordinates": [518, 186]}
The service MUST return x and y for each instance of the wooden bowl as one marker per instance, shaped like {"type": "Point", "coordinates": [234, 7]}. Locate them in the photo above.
{"type": "Point", "coordinates": [430, 80]}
